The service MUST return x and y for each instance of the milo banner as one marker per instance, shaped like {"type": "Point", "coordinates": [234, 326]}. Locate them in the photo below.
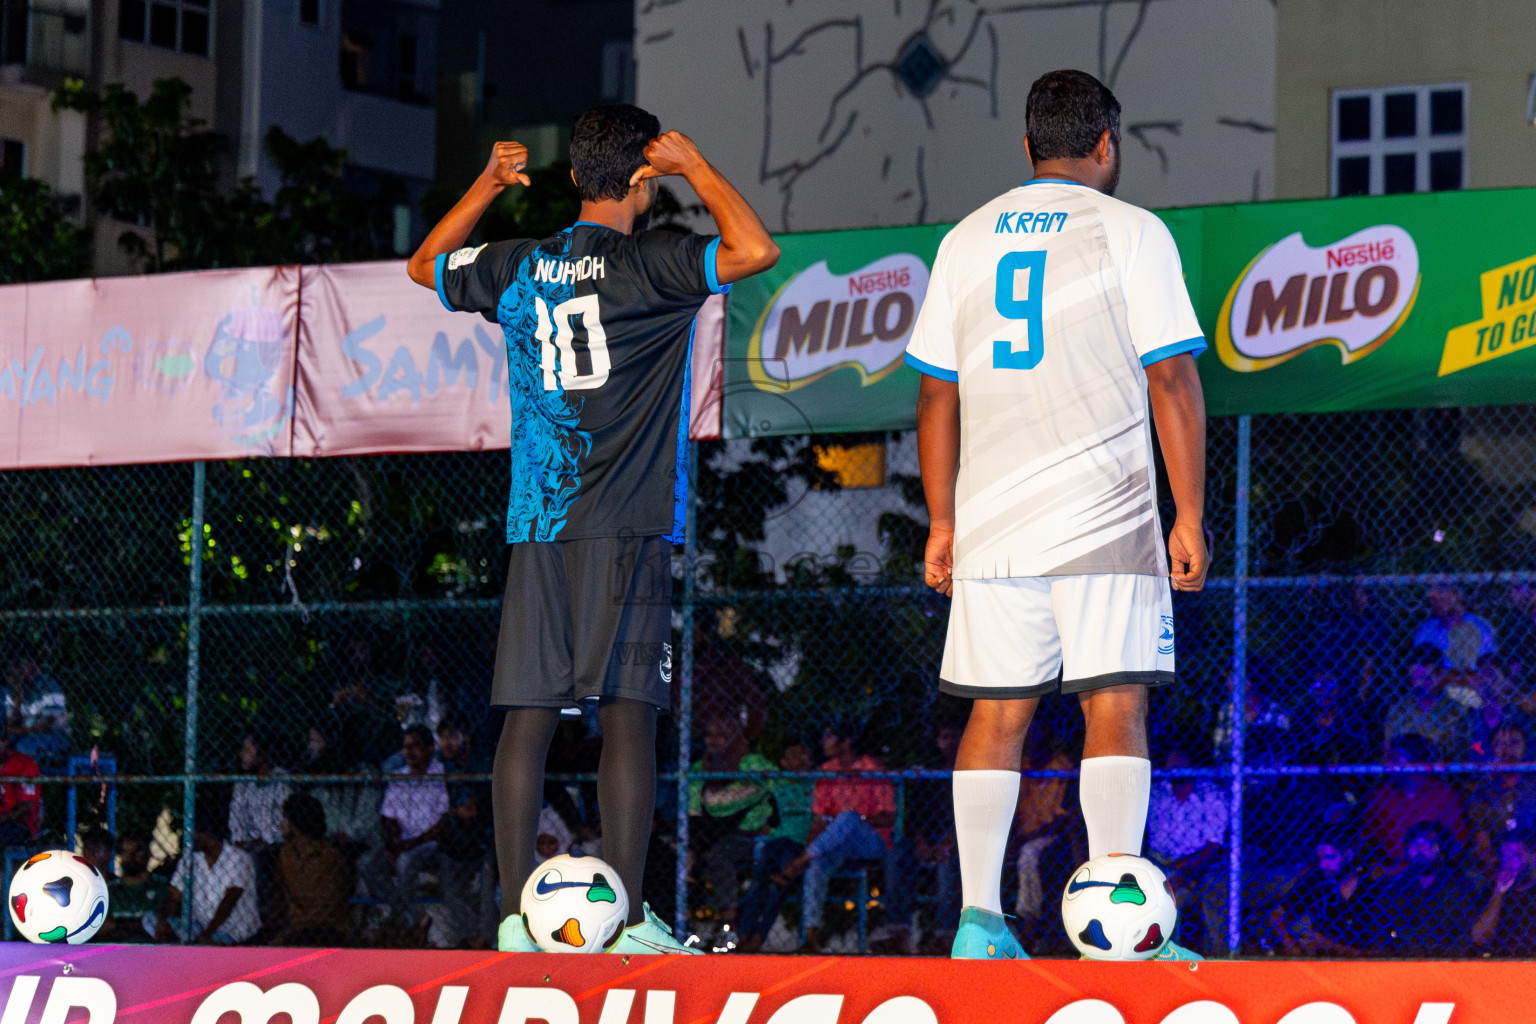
{"type": "Point", "coordinates": [815, 345]}
{"type": "Point", "coordinates": [1372, 303]}
{"type": "Point", "coordinates": [1309, 306]}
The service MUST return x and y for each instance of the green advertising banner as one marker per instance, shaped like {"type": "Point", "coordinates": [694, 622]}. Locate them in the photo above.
{"type": "Point", "coordinates": [815, 345]}
{"type": "Point", "coordinates": [1387, 302]}
{"type": "Point", "coordinates": [1310, 306]}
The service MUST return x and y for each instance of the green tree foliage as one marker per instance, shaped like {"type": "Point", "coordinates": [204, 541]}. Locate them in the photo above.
{"type": "Point", "coordinates": [158, 167]}
{"type": "Point", "coordinates": [37, 241]}
{"type": "Point", "coordinates": [547, 206]}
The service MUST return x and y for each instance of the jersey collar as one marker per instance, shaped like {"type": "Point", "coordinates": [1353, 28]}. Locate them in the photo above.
{"type": "Point", "coordinates": [1053, 181]}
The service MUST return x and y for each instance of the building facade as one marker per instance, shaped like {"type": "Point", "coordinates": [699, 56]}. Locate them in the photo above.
{"type": "Point", "coordinates": [1382, 96]}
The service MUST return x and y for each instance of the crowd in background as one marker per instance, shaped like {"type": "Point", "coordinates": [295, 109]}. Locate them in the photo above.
{"type": "Point", "coordinates": [396, 848]}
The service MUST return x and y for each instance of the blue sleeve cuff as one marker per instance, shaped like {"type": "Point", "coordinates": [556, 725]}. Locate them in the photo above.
{"type": "Point", "coordinates": [711, 273]}
{"type": "Point", "coordinates": [930, 370]}
{"type": "Point", "coordinates": [1194, 346]}
{"type": "Point", "coordinates": [438, 267]}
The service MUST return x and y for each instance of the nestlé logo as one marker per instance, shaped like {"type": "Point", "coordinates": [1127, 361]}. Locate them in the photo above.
{"type": "Point", "coordinates": [1353, 294]}
{"type": "Point", "coordinates": [820, 321]}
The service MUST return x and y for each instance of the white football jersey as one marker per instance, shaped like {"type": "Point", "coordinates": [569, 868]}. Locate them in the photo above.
{"type": "Point", "coordinates": [1045, 305]}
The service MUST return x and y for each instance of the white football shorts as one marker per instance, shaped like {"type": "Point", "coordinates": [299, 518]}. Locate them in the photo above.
{"type": "Point", "coordinates": [1029, 636]}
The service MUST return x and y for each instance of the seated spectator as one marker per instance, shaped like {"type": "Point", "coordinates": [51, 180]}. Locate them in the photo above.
{"type": "Point", "coordinates": [134, 893]}
{"type": "Point", "coordinates": [1505, 803]}
{"type": "Point", "coordinates": [21, 803]}
{"type": "Point", "coordinates": [351, 808]}
{"type": "Point", "coordinates": [1424, 905]}
{"type": "Point", "coordinates": [1266, 722]}
{"type": "Point", "coordinates": [727, 815]}
{"type": "Point", "coordinates": [1187, 835]}
{"type": "Point", "coordinates": [1459, 636]}
{"type": "Point", "coordinates": [1405, 799]}
{"type": "Point", "coordinates": [256, 808]}
{"type": "Point", "coordinates": [36, 715]}
{"type": "Point", "coordinates": [554, 838]}
{"type": "Point", "coordinates": [784, 842]}
{"type": "Point", "coordinates": [1332, 727]}
{"type": "Point", "coordinates": [223, 880]}
{"type": "Point", "coordinates": [1517, 636]}
{"type": "Point", "coordinates": [1330, 910]}
{"type": "Point", "coordinates": [1423, 709]}
{"type": "Point", "coordinates": [1352, 641]}
{"type": "Point", "coordinates": [1507, 924]}
{"type": "Point", "coordinates": [313, 877]}
{"type": "Point", "coordinates": [854, 821]}
{"type": "Point", "coordinates": [1491, 712]}
{"type": "Point", "coordinates": [411, 819]}
{"type": "Point", "coordinates": [464, 845]}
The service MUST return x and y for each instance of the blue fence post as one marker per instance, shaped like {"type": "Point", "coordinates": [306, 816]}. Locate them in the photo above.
{"type": "Point", "coordinates": [684, 665]}
{"type": "Point", "coordinates": [1239, 683]}
{"type": "Point", "coordinates": [194, 654]}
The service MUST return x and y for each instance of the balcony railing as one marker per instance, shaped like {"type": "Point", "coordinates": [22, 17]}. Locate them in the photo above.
{"type": "Point", "coordinates": [44, 37]}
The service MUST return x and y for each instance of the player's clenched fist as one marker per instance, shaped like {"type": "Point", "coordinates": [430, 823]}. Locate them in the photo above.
{"type": "Point", "coordinates": [939, 560]}
{"type": "Point", "coordinates": [506, 164]}
{"type": "Point", "coordinates": [668, 153]}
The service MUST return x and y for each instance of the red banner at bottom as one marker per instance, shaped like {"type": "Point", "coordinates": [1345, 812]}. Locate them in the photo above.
{"type": "Point", "coordinates": [172, 985]}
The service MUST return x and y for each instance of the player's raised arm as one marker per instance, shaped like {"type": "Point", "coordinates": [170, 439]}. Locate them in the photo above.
{"type": "Point", "coordinates": [1178, 408]}
{"type": "Point", "coordinates": [504, 168]}
{"type": "Point", "coordinates": [746, 248]}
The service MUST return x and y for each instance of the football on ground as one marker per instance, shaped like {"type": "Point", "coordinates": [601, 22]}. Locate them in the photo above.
{"type": "Point", "coordinates": [58, 896]}
{"type": "Point", "coordinates": [1119, 907]}
{"type": "Point", "coordinates": [574, 904]}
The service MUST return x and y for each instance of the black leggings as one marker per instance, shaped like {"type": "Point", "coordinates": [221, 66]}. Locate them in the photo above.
{"type": "Point", "coordinates": [626, 792]}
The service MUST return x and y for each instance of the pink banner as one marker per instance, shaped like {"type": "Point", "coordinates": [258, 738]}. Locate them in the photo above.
{"type": "Point", "coordinates": [114, 370]}
{"type": "Point", "coordinates": [206, 366]}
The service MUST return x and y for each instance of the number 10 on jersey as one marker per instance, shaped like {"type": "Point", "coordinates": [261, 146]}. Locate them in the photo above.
{"type": "Point", "coordinates": [1020, 300]}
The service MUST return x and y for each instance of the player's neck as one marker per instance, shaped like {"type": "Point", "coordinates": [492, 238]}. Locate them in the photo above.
{"type": "Point", "coordinates": [620, 215]}
{"type": "Point", "coordinates": [1080, 172]}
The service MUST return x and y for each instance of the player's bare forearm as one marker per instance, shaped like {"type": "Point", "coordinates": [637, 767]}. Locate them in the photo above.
{"type": "Point", "coordinates": [505, 168]}
{"type": "Point", "coordinates": [746, 248]}
{"type": "Point", "coordinates": [938, 456]}
{"type": "Point", "coordinates": [1178, 408]}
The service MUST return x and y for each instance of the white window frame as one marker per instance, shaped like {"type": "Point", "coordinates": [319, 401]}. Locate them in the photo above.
{"type": "Point", "coordinates": [181, 7]}
{"type": "Point", "coordinates": [1421, 144]}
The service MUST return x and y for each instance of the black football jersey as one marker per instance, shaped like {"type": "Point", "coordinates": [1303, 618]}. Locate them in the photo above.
{"type": "Point", "coordinates": [599, 329]}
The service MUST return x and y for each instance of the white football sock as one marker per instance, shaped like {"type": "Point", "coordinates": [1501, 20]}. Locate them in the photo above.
{"type": "Point", "coordinates": [984, 806]}
{"type": "Point", "coordinates": [1114, 792]}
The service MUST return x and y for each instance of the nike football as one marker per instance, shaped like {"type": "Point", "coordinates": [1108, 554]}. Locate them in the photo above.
{"type": "Point", "coordinates": [1119, 907]}
{"type": "Point", "coordinates": [574, 904]}
{"type": "Point", "coordinates": [58, 896]}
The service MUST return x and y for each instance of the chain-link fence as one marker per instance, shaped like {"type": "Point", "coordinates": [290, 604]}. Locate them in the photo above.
{"type": "Point", "coordinates": [1371, 609]}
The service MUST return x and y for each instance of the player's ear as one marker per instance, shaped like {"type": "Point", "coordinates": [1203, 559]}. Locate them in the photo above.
{"type": "Point", "coordinates": [1104, 152]}
{"type": "Point", "coordinates": [573, 178]}
{"type": "Point", "coordinates": [1027, 154]}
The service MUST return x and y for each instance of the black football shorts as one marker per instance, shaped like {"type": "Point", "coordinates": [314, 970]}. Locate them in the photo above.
{"type": "Point", "coordinates": [584, 619]}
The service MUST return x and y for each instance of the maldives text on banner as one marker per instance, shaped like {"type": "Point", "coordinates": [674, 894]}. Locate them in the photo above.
{"type": "Point", "coordinates": [200, 985]}
{"type": "Point", "coordinates": [1311, 306]}
{"type": "Point", "coordinates": [271, 361]}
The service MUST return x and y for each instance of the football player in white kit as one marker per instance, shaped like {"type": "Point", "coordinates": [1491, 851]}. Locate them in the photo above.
{"type": "Point", "coordinates": [1056, 320]}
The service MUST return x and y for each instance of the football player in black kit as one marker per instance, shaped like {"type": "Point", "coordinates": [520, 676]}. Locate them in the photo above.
{"type": "Point", "coordinates": [599, 326]}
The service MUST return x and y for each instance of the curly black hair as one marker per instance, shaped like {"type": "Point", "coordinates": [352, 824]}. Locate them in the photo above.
{"type": "Point", "coordinates": [607, 147]}
{"type": "Point", "coordinates": [1066, 113]}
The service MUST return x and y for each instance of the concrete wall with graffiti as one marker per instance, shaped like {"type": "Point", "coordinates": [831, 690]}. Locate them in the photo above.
{"type": "Point", "coordinates": [860, 113]}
